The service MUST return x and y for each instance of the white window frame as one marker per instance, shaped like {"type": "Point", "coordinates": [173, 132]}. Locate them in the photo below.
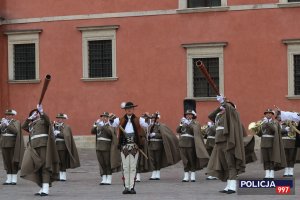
{"type": "Point", "coordinates": [182, 7]}
{"type": "Point", "coordinates": [98, 33]}
{"type": "Point", "coordinates": [204, 50]}
{"type": "Point", "coordinates": [293, 48]}
{"type": "Point", "coordinates": [286, 4]}
{"type": "Point", "coordinates": [22, 37]}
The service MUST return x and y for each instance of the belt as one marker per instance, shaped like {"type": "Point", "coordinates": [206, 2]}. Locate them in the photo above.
{"type": "Point", "coordinates": [187, 135]}
{"type": "Point", "coordinates": [288, 138]}
{"type": "Point", "coordinates": [220, 128]}
{"type": "Point", "coordinates": [103, 139]}
{"type": "Point", "coordinates": [38, 136]}
{"type": "Point", "coordinates": [59, 139]}
{"type": "Point", "coordinates": [8, 134]}
{"type": "Point", "coordinates": [155, 140]}
{"type": "Point", "coordinates": [212, 137]}
{"type": "Point", "coordinates": [270, 136]}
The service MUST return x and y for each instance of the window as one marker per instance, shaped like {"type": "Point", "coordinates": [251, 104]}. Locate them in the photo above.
{"type": "Point", "coordinates": [99, 53]}
{"type": "Point", "coordinates": [203, 3]}
{"type": "Point", "coordinates": [23, 55]}
{"type": "Point", "coordinates": [293, 58]}
{"type": "Point", "coordinates": [211, 54]}
{"type": "Point", "coordinates": [293, 0]}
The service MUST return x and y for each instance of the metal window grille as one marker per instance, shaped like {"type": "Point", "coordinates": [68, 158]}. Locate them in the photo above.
{"type": "Point", "coordinates": [203, 3]}
{"type": "Point", "coordinates": [200, 85]}
{"type": "Point", "coordinates": [297, 74]}
{"type": "Point", "coordinates": [24, 61]}
{"type": "Point", "coordinates": [100, 58]}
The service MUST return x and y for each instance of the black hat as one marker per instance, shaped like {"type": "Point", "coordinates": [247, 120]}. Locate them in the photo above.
{"type": "Point", "coordinates": [62, 116]}
{"type": "Point", "coordinates": [105, 114]}
{"type": "Point", "coordinates": [126, 105]}
{"type": "Point", "coordinates": [269, 110]}
{"type": "Point", "coordinates": [10, 112]}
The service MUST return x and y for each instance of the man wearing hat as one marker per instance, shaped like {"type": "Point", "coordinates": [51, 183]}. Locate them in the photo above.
{"type": "Point", "coordinates": [193, 153]}
{"type": "Point", "coordinates": [228, 156]}
{"type": "Point", "coordinates": [107, 151]}
{"type": "Point", "coordinates": [272, 148]}
{"type": "Point", "coordinates": [41, 161]}
{"type": "Point", "coordinates": [163, 146]}
{"type": "Point", "coordinates": [131, 140]}
{"type": "Point", "coordinates": [65, 145]}
{"type": "Point", "coordinates": [12, 146]}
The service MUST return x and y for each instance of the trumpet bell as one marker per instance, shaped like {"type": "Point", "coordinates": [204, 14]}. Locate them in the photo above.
{"type": "Point", "coordinates": [252, 125]}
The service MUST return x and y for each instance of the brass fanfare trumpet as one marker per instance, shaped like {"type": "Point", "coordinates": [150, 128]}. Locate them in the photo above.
{"type": "Point", "coordinates": [255, 127]}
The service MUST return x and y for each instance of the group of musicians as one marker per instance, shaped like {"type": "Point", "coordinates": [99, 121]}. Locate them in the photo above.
{"type": "Point", "coordinates": [135, 145]}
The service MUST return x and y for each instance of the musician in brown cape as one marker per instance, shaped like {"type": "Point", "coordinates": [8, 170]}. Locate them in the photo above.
{"type": "Point", "coordinates": [65, 145]}
{"type": "Point", "coordinates": [272, 149]}
{"type": "Point", "coordinates": [41, 162]}
{"type": "Point", "coordinates": [12, 146]}
{"type": "Point", "coordinates": [163, 147]}
{"type": "Point", "coordinates": [107, 151]}
{"type": "Point", "coordinates": [228, 156]}
{"type": "Point", "coordinates": [192, 149]}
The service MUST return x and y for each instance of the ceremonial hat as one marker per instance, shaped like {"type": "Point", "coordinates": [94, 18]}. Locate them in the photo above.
{"type": "Point", "coordinates": [10, 112]}
{"type": "Point", "coordinates": [62, 116]}
{"type": "Point", "coordinates": [105, 114]}
{"type": "Point", "coordinates": [125, 105]}
{"type": "Point", "coordinates": [269, 110]}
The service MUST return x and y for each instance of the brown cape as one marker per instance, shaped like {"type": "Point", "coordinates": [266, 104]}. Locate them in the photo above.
{"type": "Point", "coordinates": [115, 154]}
{"type": "Point", "coordinates": [278, 153]}
{"type": "Point", "coordinates": [201, 152]}
{"type": "Point", "coordinates": [234, 131]}
{"type": "Point", "coordinates": [72, 157]}
{"type": "Point", "coordinates": [19, 146]}
{"type": "Point", "coordinates": [170, 154]}
{"type": "Point", "coordinates": [249, 144]}
{"type": "Point", "coordinates": [32, 163]}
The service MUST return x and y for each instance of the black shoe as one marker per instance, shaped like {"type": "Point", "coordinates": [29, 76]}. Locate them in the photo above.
{"type": "Point", "coordinates": [157, 179]}
{"type": "Point", "coordinates": [43, 194]}
{"type": "Point", "coordinates": [185, 181]}
{"type": "Point", "coordinates": [13, 183]}
{"type": "Point", "coordinates": [132, 191]}
{"type": "Point", "coordinates": [126, 191]}
{"type": "Point", "coordinates": [223, 191]}
{"type": "Point", "coordinates": [152, 179]}
{"type": "Point", "coordinates": [230, 192]}
{"type": "Point", "coordinates": [101, 183]}
{"type": "Point", "coordinates": [37, 194]}
{"type": "Point", "coordinates": [6, 184]}
{"type": "Point", "coordinates": [193, 180]}
{"type": "Point", "coordinates": [62, 180]}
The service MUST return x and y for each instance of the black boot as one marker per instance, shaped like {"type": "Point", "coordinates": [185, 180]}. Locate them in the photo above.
{"type": "Point", "coordinates": [126, 191]}
{"type": "Point", "coordinates": [132, 191]}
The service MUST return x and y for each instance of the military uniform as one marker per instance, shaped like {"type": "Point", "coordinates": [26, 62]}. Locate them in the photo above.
{"type": "Point", "coordinates": [228, 156]}
{"type": "Point", "coordinates": [12, 147]}
{"type": "Point", "coordinates": [163, 148]}
{"type": "Point", "coordinates": [192, 148]}
{"type": "Point", "coordinates": [66, 147]}
{"type": "Point", "coordinates": [41, 161]}
{"type": "Point", "coordinates": [272, 149]}
{"type": "Point", "coordinates": [104, 137]}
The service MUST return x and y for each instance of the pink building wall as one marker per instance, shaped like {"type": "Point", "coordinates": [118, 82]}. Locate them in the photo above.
{"type": "Point", "coordinates": [151, 63]}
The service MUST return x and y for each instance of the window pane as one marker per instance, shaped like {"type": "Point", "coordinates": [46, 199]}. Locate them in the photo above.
{"type": "Point", "coordinates": [201, 86]}
{"type": "Point", "coordinates": [293, 0]}
{"type": "Point", "coordinates": [297, 74]}
{"type": "Point", "coordinates": [100, 58]}
{"type": "Point", "coordinates": [203, 3]}
{"type": "Point", "coordinates": [24, 61]}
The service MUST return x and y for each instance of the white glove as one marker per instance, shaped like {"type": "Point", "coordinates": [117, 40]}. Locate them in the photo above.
{"type": "Point", "coordinates": [33, 116]}
{"type": "Point", "coordinates": [183, 121]}
{"type": "Point", "coordinates": [40, 108]}
{"type": "Point", "coordinates": [209, 124]}
{"type": "Point", "coordinates": [220, 99]}
{"type": "Point", "coordinates": [4, 122]}
{"type": "Point", "coordinates": [99, 122]}
{"type": "Point", "coordinates": [152, 135]}
{"type": "Point", "coordinates": [56, 132]}
{"type": "Point", "coordinates": [287, 129]}
{"type": "Point", "coordinates": [265, 120]}
{"type": "Point", "coordinates": [222, 108]}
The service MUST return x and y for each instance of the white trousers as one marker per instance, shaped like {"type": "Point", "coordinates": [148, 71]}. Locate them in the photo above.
{"type": "Point", "coordinates": [129, 169]}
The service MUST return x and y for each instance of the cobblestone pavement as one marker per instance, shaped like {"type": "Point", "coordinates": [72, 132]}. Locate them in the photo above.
{"type": "Point", "coordinates": [83, 183]}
